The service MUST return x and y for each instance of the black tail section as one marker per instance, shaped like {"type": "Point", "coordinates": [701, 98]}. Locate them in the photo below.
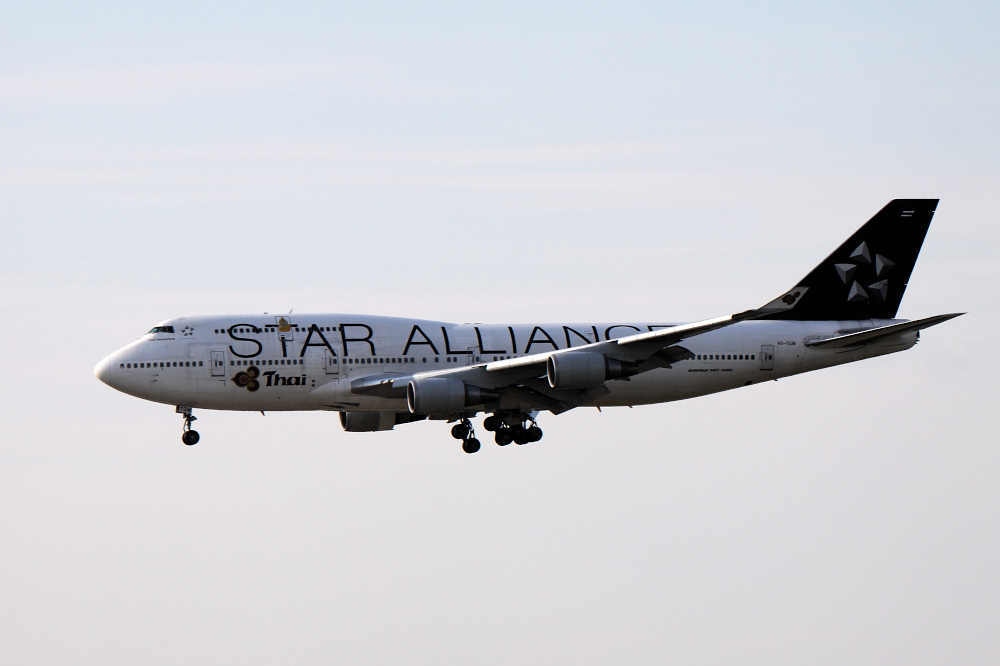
{"type": "Point", "coordinates": [867, 275]}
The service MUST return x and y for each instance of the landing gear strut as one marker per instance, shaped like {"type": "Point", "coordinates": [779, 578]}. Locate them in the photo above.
{"type": "Point", "coordinates": [507, 426]}
{"type": "Point", "coordinates": [467, 434]}
{"type": "Point", "coordinates": [189, 437]}
{"type": "Point", "coordinates": [513, 428]}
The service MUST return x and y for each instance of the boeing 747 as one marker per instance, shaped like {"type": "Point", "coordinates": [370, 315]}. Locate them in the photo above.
{"type": "Point", "coordinates": [379, 372]}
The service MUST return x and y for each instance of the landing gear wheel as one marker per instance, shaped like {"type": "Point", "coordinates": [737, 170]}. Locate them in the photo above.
{"type": "Point", "coordinates": [503, 437]}
{"type": "Point", "coordinates": [189, 437]}
{"type": "Point", "coordinates": [520, 435]}
{"type": "Point", "coordinates": [534, 433]}
{"type": "Point", "coordinates": [470, 445]}
{"type": "Point", "coordinates": [460, 431]}
{"type": "Point", "coordinates": [493, 423]}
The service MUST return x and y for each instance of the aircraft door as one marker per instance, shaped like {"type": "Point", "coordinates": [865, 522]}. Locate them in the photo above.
{"type": "Point", "coordinates": [767, 357]}
{"type": "Point", "coordinates": [332, 362]}
{"type": "Point", "coordinates": [286, 334]}
{"type": "Point", "coordinates": [218, 364]}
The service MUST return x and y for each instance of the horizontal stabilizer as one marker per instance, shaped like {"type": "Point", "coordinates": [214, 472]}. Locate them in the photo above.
{"type": "Point", "coordinates": [876, 334]}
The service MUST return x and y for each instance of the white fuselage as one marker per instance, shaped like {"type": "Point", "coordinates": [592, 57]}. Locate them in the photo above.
{"type": "Point", "coordinates": [311, 365]}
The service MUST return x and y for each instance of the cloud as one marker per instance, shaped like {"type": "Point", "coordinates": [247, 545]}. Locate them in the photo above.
{"type": "Point", "coordinates": [144, 84]}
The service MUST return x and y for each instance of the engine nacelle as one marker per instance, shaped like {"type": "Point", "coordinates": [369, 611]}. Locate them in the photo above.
{"type": "Point", "coordinates": [440, 395]}
{"type": "Point", "coordinates": [367, 421]}
{"type": "Point", "coordinates": [577, 370]}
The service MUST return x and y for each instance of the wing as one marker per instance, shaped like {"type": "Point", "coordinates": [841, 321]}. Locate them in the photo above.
{"type": "Point", "coordinates": [520, 378]}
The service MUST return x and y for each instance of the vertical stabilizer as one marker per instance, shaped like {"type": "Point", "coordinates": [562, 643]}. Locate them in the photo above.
{"type": "Point", "coordinates": [865, 278]}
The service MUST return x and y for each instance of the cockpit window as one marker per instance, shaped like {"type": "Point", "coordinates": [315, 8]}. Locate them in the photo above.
{"type": "Point", "coordinates": [162, 329]}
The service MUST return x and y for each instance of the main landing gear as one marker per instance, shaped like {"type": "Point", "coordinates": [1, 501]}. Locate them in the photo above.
{"type": "Point", "coordinates": [189, 437]}
{"type": "Point", "coordinates": [512, 428]}
{"type": "Point", "coordinates": [465, 432]}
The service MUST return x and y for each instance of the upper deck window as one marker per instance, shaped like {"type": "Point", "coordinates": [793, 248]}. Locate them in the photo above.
{"type": "Point", "coordinates": [163, 329]}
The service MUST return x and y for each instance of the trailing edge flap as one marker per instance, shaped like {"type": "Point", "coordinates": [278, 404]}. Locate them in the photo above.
{"type": "Point", "coordinates": [876, 334]}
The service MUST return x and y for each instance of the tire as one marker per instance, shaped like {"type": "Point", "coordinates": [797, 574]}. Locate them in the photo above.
{"type": "Point", "coordinates": [190, 437]}
{"type": "Point", "coordinates": [503, 437]}
{"type": "Point", "coordinates": [471, 445]}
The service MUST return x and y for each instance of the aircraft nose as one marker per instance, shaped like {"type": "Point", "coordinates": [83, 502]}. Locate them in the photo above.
{"type": "Point", "coordinates": [103, 371]}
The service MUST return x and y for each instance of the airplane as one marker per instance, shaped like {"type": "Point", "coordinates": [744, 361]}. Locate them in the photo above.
{"type": "Point", "coordinates": [379, 372]}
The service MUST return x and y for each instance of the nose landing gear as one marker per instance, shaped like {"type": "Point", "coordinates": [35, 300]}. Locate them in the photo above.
{"type": "Point", "coordinates": [189, 436]}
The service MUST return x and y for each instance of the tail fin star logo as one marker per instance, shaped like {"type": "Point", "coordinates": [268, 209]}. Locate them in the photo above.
{"type": "Point", "coordinates": [247, 378]}
{"type": "Point", "coordinates": [863, 258]}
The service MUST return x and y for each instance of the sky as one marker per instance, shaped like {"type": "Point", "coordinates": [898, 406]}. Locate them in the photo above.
{"type": "Point", "coordinates": [522, 162]}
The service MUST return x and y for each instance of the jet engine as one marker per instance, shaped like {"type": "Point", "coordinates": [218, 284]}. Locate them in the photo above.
{"type": "Point", "coordinates": [366, 421]}
{"type": "Point", "coordinates": [374, 421]}
{"type": "Point", "coordinates": [440, 395]}
{"type": "Point", "coordinates": [577, 370]}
